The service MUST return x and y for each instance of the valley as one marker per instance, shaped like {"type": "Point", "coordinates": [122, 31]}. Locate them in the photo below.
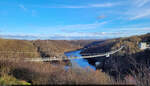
{"type": "Point", "coordinates": [127, 62]}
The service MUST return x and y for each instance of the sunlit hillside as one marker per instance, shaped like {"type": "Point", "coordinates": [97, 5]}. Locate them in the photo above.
{"type": "Point", "coordinates": [17, 49]}
{"type": "Point", "coordinates": [131, 60]}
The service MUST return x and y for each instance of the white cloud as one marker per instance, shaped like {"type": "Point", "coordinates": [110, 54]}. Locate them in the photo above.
{"type": "Point", "coordinates": [135, 29]}
{"type": "Point", "coordinates": [101, 17]}
{"type": "Point", "coordinates": [83, 6]}
{"type": "Point", "coordinates": [138, 9]}
{"type": "Point", "coordinates": [118, 32]}
{"type": "Point", "coordinates": [84, 26]}
{"type": "Point", "coordinates": [70, 28]}
{"type": "Point", "coordinates": [31, 11]}
{"type": "Point", "coordinates": [60, 35]}
{"type": "Point", "coordinates": [103, 5]}
{"type": "Point", "coordinates": [129, 31]}
{"type": "Point", "coordinates": [64, 36]}
{"type": "Point", "coordinates": [141, 3]}
{"type": "Point", "coordinates": [22, 7]}
{"type": "Point", "coordinates": [69, 7]}
{"type": "Point", "coordinates": [140, 14]}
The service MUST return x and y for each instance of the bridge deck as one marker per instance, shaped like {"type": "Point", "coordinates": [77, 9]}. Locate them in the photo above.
{"type": "Point", "coordinates": [58, 59]}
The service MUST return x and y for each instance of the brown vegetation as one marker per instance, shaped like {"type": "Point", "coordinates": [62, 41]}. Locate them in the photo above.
{"type": "Point", "coordinates": [14, 70]}
{"type": "Point", "coordinates": [129, 64]}
{"type": "Point", "coordinates": [17, 49]}
{"type": "Point", "coordinates": [49, 48]}
{"type": "Point", "coordinates": [126, 62]}
{"type": "Point", "coordinates": [45, 73]}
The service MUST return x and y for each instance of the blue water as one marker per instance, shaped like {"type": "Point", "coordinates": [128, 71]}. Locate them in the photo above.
{"type": "Point", "coordinates": [80, 62]}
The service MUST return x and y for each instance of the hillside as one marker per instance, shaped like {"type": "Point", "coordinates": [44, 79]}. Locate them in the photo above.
{"type": "Point", "coordinates": [20, 49]}
{"type": "Point", "coordinates": [20, 72]}
{"type": "Point", "coordinates": [131, 45]}
{"type": "Point", "coordinates": [38, 48]}
{"type": "Point", "coordinates": [54, 47]}
{"type": "Point", "coordinates": [81, 43]}
{"type": "Point", "coordinates": [128, 60]}
{"type": "Point", "coordinates": [57, 48]}
{"type": "Point", "coordinates": [17, 49]}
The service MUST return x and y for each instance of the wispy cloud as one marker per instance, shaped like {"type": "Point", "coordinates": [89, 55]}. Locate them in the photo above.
{"type": "Point", "coordinates": [138, 9]}
{"type": "Point", "coordinates": [120, 32]}
{"type": "Point", "coordinates": [23, 7]}
{"type": "Point", "coordinates": [104, 5]}
{"type": "Point", "coordinates": [63, 36]}
{"type": "Point", "coordinates": [129, 31]}
{"type": "Point", "coordinates": [141, 14]}
{"type": "Point", "coordinates": [141, 3]}
{"type": "Point", "coordinates": [101, 17]}
{"type": "Point", "coordinates": [83, 6]}
{"type": "Point", "coordinates": [84, 26]}
{"type": "Point", "coordinates": [136, 29]}
{"type": "Point", "coordinates": [71, 28]}
{"type": "Point", "coordinates": [31, 11]}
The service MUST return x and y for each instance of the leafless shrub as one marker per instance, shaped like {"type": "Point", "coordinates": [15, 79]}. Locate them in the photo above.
{"type": "Point", "coordinates": [45, 73]}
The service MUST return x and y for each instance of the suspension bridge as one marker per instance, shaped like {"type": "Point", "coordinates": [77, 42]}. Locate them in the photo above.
{"type": "Point", "coordinates": [107, 54]}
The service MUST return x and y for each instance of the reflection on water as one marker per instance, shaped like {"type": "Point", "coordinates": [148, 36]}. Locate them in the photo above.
{"type": "Point", "coordinates": [80, 62]}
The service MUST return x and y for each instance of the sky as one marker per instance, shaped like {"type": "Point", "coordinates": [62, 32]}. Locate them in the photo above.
{"type": "Point", "coordinates": [73, 19]}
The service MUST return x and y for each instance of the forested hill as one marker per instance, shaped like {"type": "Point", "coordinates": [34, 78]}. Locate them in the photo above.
{"type": "Point", "coordinates": [15, 71]}
{"type": "Point", "coordinates": [17, 49]}
{"type": "Point", "coordinates": [125, 62]}
{"type": "Point", "coordinates": [131, 43]}
{"type": "Point", "coordinates": [10, 48]}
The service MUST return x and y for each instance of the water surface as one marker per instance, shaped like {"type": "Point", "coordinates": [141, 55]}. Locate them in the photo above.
{"type": "Point", "coordinates": [83, 63]}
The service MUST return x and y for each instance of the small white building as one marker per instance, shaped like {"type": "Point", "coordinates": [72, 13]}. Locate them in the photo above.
{"type": "Point", "coordinates": [144, 45]}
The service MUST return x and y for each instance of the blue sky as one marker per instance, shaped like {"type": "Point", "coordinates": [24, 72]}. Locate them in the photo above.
{"type": "Point", "coordinates": [73, 19]}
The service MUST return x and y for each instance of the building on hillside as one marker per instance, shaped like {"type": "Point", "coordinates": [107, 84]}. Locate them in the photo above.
{"type": "Point", "coordinates": [144, 45]}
